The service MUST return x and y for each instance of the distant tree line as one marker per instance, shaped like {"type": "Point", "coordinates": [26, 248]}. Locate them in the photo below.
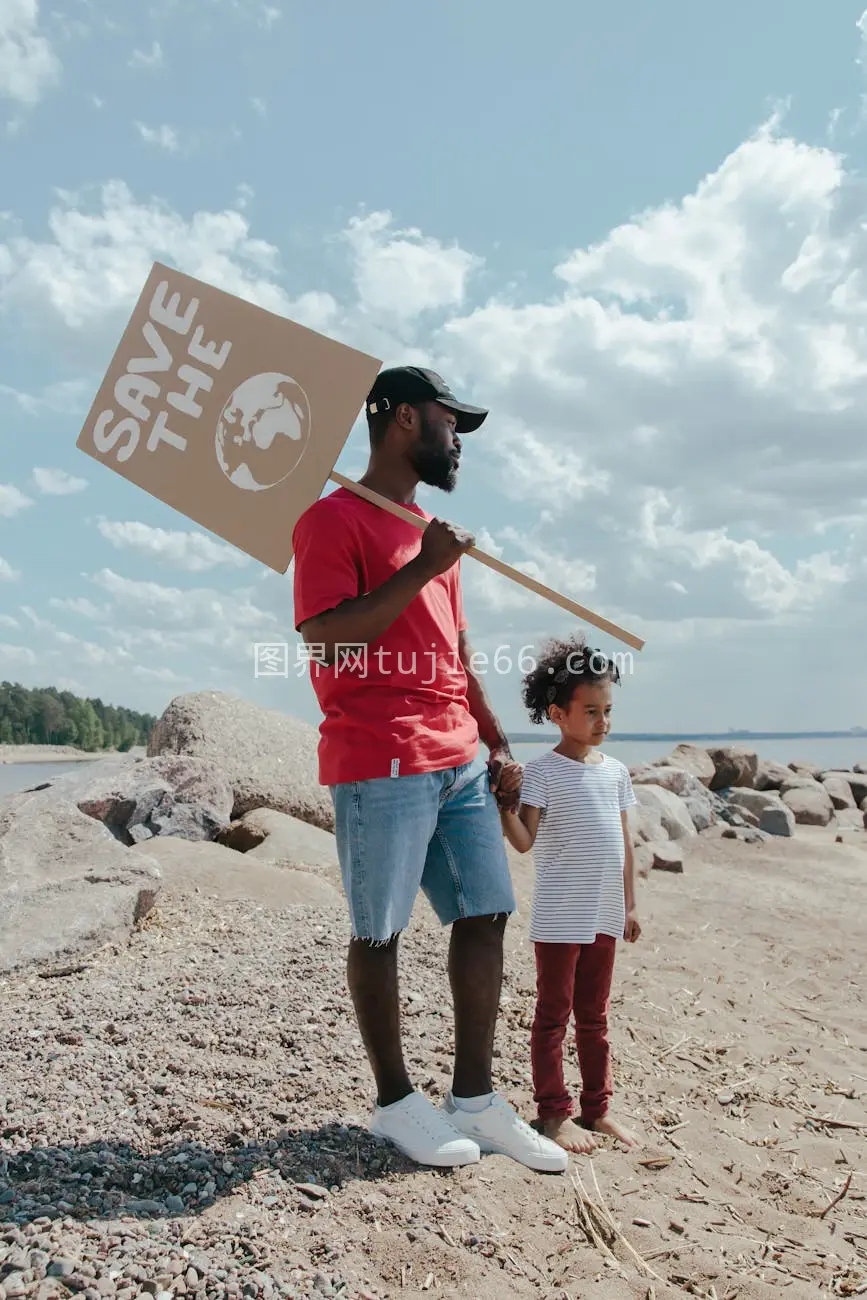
{"type": "Point", "coordinates": [46, 716]}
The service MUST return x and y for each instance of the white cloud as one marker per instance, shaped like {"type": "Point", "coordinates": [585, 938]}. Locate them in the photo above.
{"type": "Point", "coordinates": [193, 552]}
{"type": "Point", "coordinates": [152, 58]}
{"type": "Point", "coordinates": [766, 582]}
{"type": "Point", "coordinates": [12, 501]}
{"type": "Point", "coordinates": [8, 574]}
{"type": "Point", "coordinates": [62, 398]}
{"type": "Point", "coordinates": [91, 271]}
{"type": "Point", "coordinates": [14, 656]}
{"type": "Point", "coordinates": [676, 435]}
{"type": "Point", "coordinates": [28, 64]}
{"type": "Point", "coordinates": [57, 483]}
{"type": "Point", "coordinates": [402, 273]}
{"type": "Point", "coordinates": [78, 605]}
{"type": "Point", "coordinates": [6, 620]}
{"type": "Point", "coordinates": [164, 137]}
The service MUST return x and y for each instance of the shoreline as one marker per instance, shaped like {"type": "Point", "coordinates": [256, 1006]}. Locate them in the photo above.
{"type": "Point", "coordinates": [20, 754]}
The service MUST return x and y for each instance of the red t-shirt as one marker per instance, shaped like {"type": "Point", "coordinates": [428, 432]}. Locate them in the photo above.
{"type": "Point", "coordinates": [401, 707]}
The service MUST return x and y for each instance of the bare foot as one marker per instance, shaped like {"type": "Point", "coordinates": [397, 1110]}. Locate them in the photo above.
{"type": "Point", "coordinates": [613, 1128]}
{"type": "Point", "coordinates": [569, 1135]}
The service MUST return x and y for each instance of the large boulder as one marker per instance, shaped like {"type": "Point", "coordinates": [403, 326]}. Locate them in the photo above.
{"type": "Point", "coordinates": [66, 885]}
{"type": "Point", "coordinates": [733, 765]}
{"type": "Point", "coordinates": [172, 795]}
{"type": "Point", "coordinates": [753, 801]}
{"type": "Point", "coordinates": [851, 819]}
{"type": "Point", "coordinates": [269, 758]}
{"type": "Point", "coordinates": [214, 871]}
{"type": "Point", "coordinates": [272, 836]}
{"type": "Point", "coordinates": [777, 819]}
{"type": "Point", "coordinates": [805, 768]}
{"type": "Point", "coordinates": [856, 782]}
{"type": "Point", "coordinates": [692, 759]}
{"type": "Point", "coordinates": [698, 800]}
{"type": "Point", "coordinates": [840, 791]}
{"type": "Point", "coordinates": [771, 775]}
{"type": "Point", "coordinates": [811, 807]}
{"type": "Point", "coordinates": [799, 781]}
{"type": "Point", "coordinates": [645, 824]}
{"type": "Point", "coordinates": [673, 812]}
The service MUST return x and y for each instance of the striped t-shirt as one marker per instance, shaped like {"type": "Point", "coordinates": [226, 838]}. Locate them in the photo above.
{"type": "Point", "coordinates": [579, 849]}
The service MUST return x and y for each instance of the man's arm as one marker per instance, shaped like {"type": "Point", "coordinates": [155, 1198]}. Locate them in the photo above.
{"type": "Point", "coordinates": [490, 730]}
{"type": "Point", "coordinates": [505, 773]}
{"type": "Point", "coordinates": [360, 620]}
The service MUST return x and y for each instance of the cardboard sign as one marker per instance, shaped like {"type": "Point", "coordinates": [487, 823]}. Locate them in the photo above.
{"type": "Point", "coordinates": [230, 414]}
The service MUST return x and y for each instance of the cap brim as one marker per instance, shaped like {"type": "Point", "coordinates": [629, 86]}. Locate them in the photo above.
{"type": "Point", "coordinates": [469, 418]}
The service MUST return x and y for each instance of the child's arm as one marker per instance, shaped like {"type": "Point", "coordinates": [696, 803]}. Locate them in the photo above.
{"type": "Point", "coordinates": [633, 929]}
{"type": "Point", "coordinates": [520, 827]}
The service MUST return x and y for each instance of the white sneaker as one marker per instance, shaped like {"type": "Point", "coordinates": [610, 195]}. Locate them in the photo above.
{"type": "Point", "coordinates": [499, 1130]}
{"type": "Point", "coordinates": [422, 1132]}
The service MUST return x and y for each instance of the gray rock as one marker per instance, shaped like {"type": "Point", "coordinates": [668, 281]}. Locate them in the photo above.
{"type": "Point", "coordinates": [733, 765]}
{"type": "Point", "coordinates": [667, 857]}
{"type": "Point", "coordinates": [856, 782]}
{"type": "Point", "coordinates": [691, 758]}
{"type": "Point", "coordinates": [851, 819]}
{"type": "Point", "coordinates": [805, 768]}
{"type": "Point", "coordinates": [169, 795]}
{"type": "Point", "coordinates": [777, 820]}
{"type": "Point", "coordinates": [214, 871]}
{"type": "Point", "coordinates": [700, 803]}
{"type": "Point", "coordinates": [701, 811]}
{"type": "Point", "coordinates": [645, 824]}
{"type": "Point", "coordinates": [66, 884]}
{"type": "Point", "coordinates": [753, 801]}
{"type": "Point", "coordinates": [810, 807]}
{"type": "Point", "coordinates": [673, 812]}
{"type": "Point", "coordinates": [276, 837]}
{"type": "Point", "coordinates": [269, 759]}
{"type": "Point", "coordinates": [840, 791]}
{"type": "Point", "coordinates": [800, 781]}
{"type": "Point", "coordinates": [771, 775]}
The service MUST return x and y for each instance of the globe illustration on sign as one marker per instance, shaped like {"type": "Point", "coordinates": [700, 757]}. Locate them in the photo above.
{"type": "Point", "coordinates": [263, 431]}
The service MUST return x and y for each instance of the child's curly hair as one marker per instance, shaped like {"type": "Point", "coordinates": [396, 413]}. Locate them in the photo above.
{"type": "Point", "coordinates": [563, 665]}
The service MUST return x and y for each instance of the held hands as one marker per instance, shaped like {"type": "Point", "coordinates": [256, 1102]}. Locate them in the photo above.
{"type": "Point", "coordinates": [632, 930]}
{"type": "Point", "coordinates": [505, 776]}
{"type": "Point", "coordinates": [442, 545]}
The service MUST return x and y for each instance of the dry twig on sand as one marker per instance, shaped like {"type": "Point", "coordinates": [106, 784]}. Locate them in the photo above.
{"type": "Point", "coordinates": [837, 1199]}
{"type": "Point", "coordinates": [604, 1223]}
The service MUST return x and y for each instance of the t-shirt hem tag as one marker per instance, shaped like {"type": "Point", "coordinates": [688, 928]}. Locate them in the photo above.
{"type": "Point", "coordinates": [395, 766]}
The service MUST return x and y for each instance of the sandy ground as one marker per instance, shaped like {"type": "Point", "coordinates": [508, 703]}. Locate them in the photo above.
{"type": "Point", "coordinates": [224, 1032]}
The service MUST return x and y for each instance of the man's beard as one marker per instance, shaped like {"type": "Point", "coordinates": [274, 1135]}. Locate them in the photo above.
{"type": "Point", "coordinates": [433, 464]}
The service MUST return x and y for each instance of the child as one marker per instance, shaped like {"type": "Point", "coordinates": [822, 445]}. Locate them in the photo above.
{"type": "Point", "coordinates": [573, 813]}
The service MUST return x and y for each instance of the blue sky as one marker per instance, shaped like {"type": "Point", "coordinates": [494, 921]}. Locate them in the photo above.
{"type": "Point", "coordinates": [633, 233]}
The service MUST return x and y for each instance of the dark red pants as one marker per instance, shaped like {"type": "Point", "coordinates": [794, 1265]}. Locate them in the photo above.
{"type": "Point", "coordinates": [572, 979]}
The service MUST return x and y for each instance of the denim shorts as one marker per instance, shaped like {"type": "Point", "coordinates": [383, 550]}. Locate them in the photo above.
{"type": "Point", "coordinates": [438, 831]}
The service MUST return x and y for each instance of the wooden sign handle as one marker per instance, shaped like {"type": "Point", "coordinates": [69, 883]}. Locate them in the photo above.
{"type": "Point", "coordinates": [580, 611]}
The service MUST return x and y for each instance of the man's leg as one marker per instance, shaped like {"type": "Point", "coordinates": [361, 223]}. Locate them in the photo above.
{"type": "Point", "coordinates": [476, 975]}
{"type": "Point", "coordinates": [382, 830]}
{"type": "Point", "coordinates": [371, 971]}
{"type": "Point", "coordinates": [467, 881]}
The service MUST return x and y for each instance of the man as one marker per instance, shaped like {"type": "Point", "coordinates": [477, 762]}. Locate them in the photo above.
{"type": "Point", "coordinates": [378, 603]}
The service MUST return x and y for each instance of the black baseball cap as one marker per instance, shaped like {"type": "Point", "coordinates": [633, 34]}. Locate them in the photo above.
{"type": "Point", "coordinates": [412, 384]}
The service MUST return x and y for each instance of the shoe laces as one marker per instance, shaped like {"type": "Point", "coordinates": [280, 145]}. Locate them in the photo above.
{"type": "Point", "coordinates": [521, 1125]}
